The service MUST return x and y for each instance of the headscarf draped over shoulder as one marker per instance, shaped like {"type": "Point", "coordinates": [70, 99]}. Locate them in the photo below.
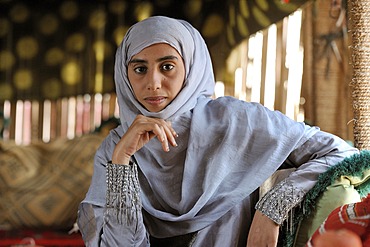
{"type": "Point", "coordinates": [226, 147]}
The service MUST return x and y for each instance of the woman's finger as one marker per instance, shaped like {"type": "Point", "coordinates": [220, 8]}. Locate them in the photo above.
{"type": "Point", "coordinates": [165, 145]}
{"type": "Point", "coordinates": [169, 131]}
{"type": "Point", "coordinates": [165, 132]}
{"type": "Point", "coordinates": [173, 134]}
{"type": "Point", "coordinates": [156, 128]}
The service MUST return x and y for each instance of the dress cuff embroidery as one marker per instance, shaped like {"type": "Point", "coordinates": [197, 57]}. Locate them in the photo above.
{"type": "Point", "coordinates": [278, 201]}
{"type": "Point", "coordinates": [123, 193]}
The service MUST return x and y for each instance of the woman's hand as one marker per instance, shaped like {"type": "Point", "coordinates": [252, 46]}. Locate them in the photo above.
{"type": "Point", "coordinates": [142, 130]}
{"type": "Point", "coordinates": [264, 232]}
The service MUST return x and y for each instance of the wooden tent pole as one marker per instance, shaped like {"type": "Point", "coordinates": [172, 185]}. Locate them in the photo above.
{"type": "Point", "coordinates": [359, 28]}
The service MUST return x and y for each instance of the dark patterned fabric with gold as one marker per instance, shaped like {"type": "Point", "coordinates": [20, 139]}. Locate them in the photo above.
{"type": "Point", "coordinates": [51, 49]}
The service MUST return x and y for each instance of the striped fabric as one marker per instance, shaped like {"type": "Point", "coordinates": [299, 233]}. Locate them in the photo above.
{"type": "Point", "coordinates": [354, 217]}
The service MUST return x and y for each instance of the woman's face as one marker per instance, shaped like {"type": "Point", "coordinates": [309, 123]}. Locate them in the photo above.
{"type": "Point", "coordinates": [156, 74]}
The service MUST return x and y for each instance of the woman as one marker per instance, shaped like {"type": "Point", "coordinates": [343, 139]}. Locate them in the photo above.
{"type": "Point", "coordinates": [183, 169]}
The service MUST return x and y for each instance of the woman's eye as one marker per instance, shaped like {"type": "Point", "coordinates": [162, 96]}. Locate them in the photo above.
{"type": "Point", "coordinates": [140, 70]}
{"type": "Point", "coordinates": [167, 67]}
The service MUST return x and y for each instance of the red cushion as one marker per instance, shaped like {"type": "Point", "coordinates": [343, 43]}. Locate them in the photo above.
{"type": "Point", "coordinates": [40, 238]}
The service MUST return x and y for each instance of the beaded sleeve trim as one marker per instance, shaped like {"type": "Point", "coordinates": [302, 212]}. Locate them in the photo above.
{"type": "Point", "coordinates": [123, 193]}
{"type": "Point", "coordinates": [281, 199]}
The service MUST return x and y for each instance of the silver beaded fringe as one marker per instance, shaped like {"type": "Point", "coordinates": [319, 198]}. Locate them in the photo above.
{"type": "Point", "coordinates": [279, 201]}
{"type": "Point", "coordinates": [123, 192]}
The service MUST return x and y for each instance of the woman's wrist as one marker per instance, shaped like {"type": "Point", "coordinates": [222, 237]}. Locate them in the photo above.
{"type": "Point", "coordinates": [129, 163]}
{"type": "Point", "coordinates": [121, 160]}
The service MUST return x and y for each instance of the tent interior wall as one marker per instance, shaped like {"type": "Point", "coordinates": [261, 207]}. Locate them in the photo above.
{"type": "Point", "coordinates": [56, 60]}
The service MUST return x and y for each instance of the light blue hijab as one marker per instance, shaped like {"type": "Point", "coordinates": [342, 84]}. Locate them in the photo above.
{"type": "Point", "coordinates": [226, 147]}
{"type": "Point", "coordinates": [199, 79]}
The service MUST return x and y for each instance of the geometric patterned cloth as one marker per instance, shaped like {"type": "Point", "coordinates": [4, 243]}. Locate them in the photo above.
{"type": "Point", "coordinates": [41, 185]}
{"type": "Point", "coordinates": [354, 217]}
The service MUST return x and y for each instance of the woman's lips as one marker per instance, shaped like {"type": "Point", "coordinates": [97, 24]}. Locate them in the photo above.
{"type": "Point", "coordinates": [155, 100]}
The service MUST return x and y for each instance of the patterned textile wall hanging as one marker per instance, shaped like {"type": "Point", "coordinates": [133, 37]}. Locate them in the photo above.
{"type": "Point", "coordinates": [51, 49]}
{"type": "Point", "coordinates": [56, 56]}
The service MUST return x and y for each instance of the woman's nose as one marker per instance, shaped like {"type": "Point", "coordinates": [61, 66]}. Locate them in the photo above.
{"type": "Point", "coordinates": [154, 80]}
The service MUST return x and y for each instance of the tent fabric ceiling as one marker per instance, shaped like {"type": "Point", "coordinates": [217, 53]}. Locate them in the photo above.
{"type": "Point", "coordinates": [59, 48]}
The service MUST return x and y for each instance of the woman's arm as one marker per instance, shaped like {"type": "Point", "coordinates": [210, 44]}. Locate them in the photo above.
{"type": "Point", "coordinates": [311, 158]}
{"type": "Point", "coordinates": [314, 157]}
{"type": "Point", "coordinates": [119, 222]}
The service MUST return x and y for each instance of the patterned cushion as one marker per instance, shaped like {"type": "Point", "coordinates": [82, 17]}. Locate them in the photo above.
{"type": "Point", "coordinates": [41, 185]}
{"type": "Point", "coordinates": [354, 217]}
{"type": "Point", "coordinates": [343, 191]}
{"type": "Point", "coordinates": [335, 195]}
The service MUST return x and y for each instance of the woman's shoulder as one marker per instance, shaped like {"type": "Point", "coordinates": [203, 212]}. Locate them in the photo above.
{"type": "Point", "coordinates": [232, 104]}
{"type": "Point", "coordinates": [228, 107]}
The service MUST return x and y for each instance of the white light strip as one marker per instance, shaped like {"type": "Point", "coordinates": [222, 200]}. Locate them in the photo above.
{"type": "Point", "coordinates": [26, 137]}
{"type": "Point", "coordinates": [71, 123]}
{"type": "Point", "coordinates": [46, 121]}
{"type": "Point", "coordinates": [294, 61]}
{"type": "Point", "coordinates": [219, 89]}
{"type": "Point", "coordinates": [255, 66]}
{"type": "Point", "coordinates": [238, 83]}
{"type": "Point", "coordinates": [7, 111]}
{"type": "Point", "coordinates": [98, 100]}
{"type": "Point", "coordinates": [18, 122]}
{"type": "Point", "coordinates": [270, 79]}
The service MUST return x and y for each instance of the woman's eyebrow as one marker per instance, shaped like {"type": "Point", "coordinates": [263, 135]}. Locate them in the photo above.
{"type": "Point", "coordinates": [138, 60]}
{"type": "Point", "coordinates": [169, 57]}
